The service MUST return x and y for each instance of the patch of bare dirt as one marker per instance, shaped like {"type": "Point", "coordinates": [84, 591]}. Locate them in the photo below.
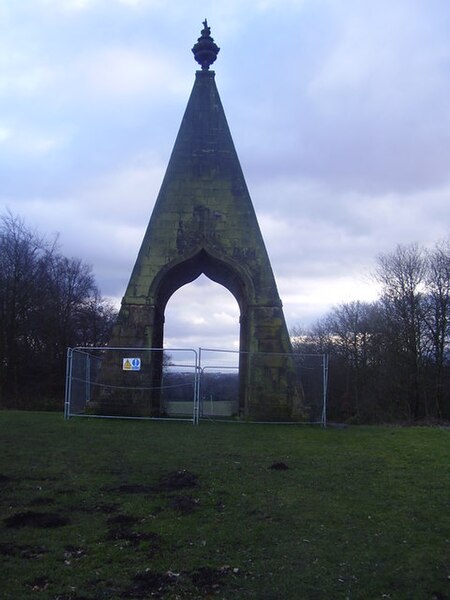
{"type": "Point", "coordinates": [185, 505]}
{"type": "Point", "coordinates": [177, 480]}
{"type": "Point", "coordinates": [149, 585]}
{"type": "Point", "coordinates": [125, 535]}
{"type": "Point", "coordinates": [208, 580]}
{"type": "Point", "coordinates": [170, 482]}
{"type": "Point", "coordinates": [131, 488]}
{"type": "Point", "coordinates": [72, 596]}
{"type": "Point", "coordinates": [279, 466]}
{"type": "Point", "coordinates": [121, 520]}
{"type": "Point", "coordinates": [204, 582]}
{"type": "Point", "coordinates": [98, 507]}
{"type": "Point", "coordinates": [73, 553]}
{"type": "Point", "coordinates": [36, 519]}
{"type": "Point", "coordinates": [39, 584]}
{"type": "Point", "coordinates": [22, 550]}
{"type": "Point", "coordinates": [42, 501]}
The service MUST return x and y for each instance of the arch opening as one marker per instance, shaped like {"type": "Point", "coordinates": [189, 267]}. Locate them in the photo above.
{"type": "Point", "coordinates": [224, 272]}
{"type": "Point", "coordinates": [204, 314]}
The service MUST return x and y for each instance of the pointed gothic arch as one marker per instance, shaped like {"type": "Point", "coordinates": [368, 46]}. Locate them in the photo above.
{"type": "Point", "coordinates": [185, 269]}
{"type": "Point", "coordinates": [222, 270]}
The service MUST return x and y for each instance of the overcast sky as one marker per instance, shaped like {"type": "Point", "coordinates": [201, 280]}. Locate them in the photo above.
{"type": "Point", "coordinates": [339, 110]}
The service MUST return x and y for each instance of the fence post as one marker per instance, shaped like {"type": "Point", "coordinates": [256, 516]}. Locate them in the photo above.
{"type": "Point", "coordinates": [325, 387]}
{"type": "Point", "coordinates": [68, 387]}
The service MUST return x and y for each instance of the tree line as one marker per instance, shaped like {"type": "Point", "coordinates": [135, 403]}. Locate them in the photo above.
{"type": "Point", "coordinates": [390, 359]}
{"type": "Point", "coordinates": [48, 302]}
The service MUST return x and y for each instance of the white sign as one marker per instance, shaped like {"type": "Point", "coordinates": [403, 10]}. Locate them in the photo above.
{"type": "Point", "coordinates": [131, 364]}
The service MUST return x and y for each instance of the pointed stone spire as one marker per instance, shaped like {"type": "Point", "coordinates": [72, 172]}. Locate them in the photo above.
{"type": "Point", "coordinates": [204, 222]}
{"type": "Point", "coordinates": [205, 50]}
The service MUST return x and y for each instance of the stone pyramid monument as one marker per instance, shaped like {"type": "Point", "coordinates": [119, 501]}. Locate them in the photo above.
{"type": "Point", "coordinates": [204, 222]}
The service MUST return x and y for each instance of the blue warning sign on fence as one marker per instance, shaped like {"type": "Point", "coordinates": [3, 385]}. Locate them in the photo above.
{"type": "Point", "coordinates": [131, 364]}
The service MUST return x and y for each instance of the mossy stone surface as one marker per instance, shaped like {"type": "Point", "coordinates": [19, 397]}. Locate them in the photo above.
{"type": "Point", "coordinates": [204, 222]}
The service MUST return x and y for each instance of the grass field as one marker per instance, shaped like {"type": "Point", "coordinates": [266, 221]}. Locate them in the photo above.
{"type": "Point", "coordinates": [137, 509]}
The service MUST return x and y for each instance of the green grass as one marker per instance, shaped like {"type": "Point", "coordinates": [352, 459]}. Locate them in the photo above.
{"type": "Point", "coordinates": [361, 513]}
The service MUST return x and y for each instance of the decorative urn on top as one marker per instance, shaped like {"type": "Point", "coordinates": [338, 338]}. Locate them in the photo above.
{"type": "Point", "coordinates": [205, 50]}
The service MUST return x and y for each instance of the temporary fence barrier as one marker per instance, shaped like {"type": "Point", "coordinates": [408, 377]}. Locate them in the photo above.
{"type": "Point", "coordinates": [119, 382]}
{"type": "Point", "coordinates": [193, 385]}
{"type": "Point", "coordinates": [219, 378]}
{"type": "Point", "coordinates": [218, 383]}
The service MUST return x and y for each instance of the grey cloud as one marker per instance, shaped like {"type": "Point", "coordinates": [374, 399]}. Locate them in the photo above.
{"type": "Point", "coordinates": [339, 114]}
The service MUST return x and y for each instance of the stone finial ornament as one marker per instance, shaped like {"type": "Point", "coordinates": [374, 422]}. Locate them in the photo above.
{"type": "Point", "coordinates": [205, 50]}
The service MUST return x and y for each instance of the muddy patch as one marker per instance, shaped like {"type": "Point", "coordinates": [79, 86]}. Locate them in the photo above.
{"type": "Point", "coordinates": [98, 507]}
{"type": "Point", "coordinates": [73, 553]}
{"type": "Point", "coordinates": [39, 584]}
{"type": "Point", "coordinates": [135, 538]}
{"type": "Point", "coordinates": [36, 519]}
{"type": "Point", "coordinates": [208, 580]}
{"type": "Point", "coordinates": [150, 585]}
{"type": "Point", "coordinates": [66, 491]}
{"type": "Point", "coordinates": [170, 482]}
{"type": "Point", "coordinates": [131, 488]}
{"type": "Point", "coordinates": [72, 596]}
{"type": "Point", "coordinates": [177, 480]}
{"type": "Point", "coordinates": [185, 505]}
{"type": "Point", "coordinates": [204, 582]}
{"type": "Point", "coordinates": [279, 466]}
{"type": "Point", "coordinates": [122, 521]}
{"type": "Point", "coordinates": [42, 501]}
{"type": "Point", "coordinates": [22, 551]}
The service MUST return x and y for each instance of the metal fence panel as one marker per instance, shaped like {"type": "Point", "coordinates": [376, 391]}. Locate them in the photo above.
{"type": "Point", "coordinates": [112, 382]}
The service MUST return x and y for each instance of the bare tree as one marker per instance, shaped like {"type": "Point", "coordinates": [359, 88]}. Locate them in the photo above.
{"type": "Point", "coordinates": [71, 286]}
{"type": "Point", "coordinates": [391, 359]}
{"type": "Point", "coordinates": [437, 316]}
{"type": "Point", "coordinates": [402, 274]}
{"type": "Point", "coordinates": [94, 321]}
{"type": "Point", "coordinates": [350, 334]}
{"type": "Point", "coordinates": [355, 330]}
{"type": "Point", "coordinates": [23, 263]}
{"type": "Point", "coordinates": [45, 300]}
